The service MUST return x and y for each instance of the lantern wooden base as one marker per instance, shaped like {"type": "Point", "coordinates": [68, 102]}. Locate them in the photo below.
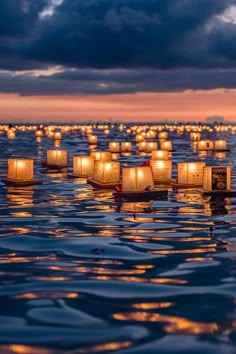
{"type": "Point", "coordinates": [220, 150]}
{"type": "Point", "coordinates": [73, 175]}
{"type": "Point", "coordinates": [14, 183]}
{"type": "Point", "coordinates": [185, 186]}
{"type": "Point", "coordinates": [222, 194]}
{"type": "Point", "coordinates": [166, 182]}
{"type": "Point", "coordinates": [100, 185]}
{"type": "Point", "coordinates": [53, 167]}
{"type": "Point", "coordinates": [140, 196]}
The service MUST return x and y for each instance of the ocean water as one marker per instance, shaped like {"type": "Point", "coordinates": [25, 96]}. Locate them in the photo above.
{"type": "Point", "coordinates": [82, 273]}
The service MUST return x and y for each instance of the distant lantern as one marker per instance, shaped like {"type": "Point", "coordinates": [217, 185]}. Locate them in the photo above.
{"type": "Point", "coordinates": [166, 145]}
{"type": "Point", "coordinates": [126, 146]}
{"type": "Point", "coordinates": [57, 158]}
{"type": "Point", "coordinates": [160, 155]}
{"type": "Point", "coordinates": [11, 134]}
{"type": "Point", "coordinates": [83, 166]}
{"type": "Point", "coordinates": [217, 178]}
{"type": "Point", "coordinates": [101, 155]}
{"type": "Point", "coordinates": [57, 136]}
{"type": "Point", "coordinates": [150, 146]}
{"type": "Point", "coordinates": [194, 136]}
{"type": "Point", "coordinates": [205, 145]}
{"type": "Point", "coordinates": [38, 134]}
{"type": "Point", "coordinates": [142, 146]}
{"type": "Point", "coordinates": [162, 171]}
{"type": "Point", "coordinates": [191, 173]}
{"type": "Point", "coordinates": [163, 135]}
{"type": "Point", "coordinates": [139, 138]}
{"type": "Point", "coordinates": [220, 145]}
{"type": "Point", "coordinates": [137, 179]}
{"type": "Point", "coordinates": [114, 146]}
{"type": "Point", "coordinates": [106, 172]}
{"type": "Point", "coordinates": [92, 139]}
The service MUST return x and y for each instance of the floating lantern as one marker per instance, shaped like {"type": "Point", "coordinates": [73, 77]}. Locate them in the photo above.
{"type": "Point", "coordinates": [216, 178]}
{"type": "Point", "coordinates": [166, 145]}
{"type": "Point", "coordinates": [163, 135]}
{"type": "Point", "coordinates": [220, 145]}
{"type": "Point", "coordinates": [126, 146]}
{"type": "Point", "coordinates": [114, 147]}
{"type": "Point", "coordinates": [194, 136]}
{"type": "Point", "coordinates": [83, 166]}
{"type": "Point", "coordinates": [106, 174]}
{"type": "Point", "coordinates": [150, 146]}
{"type": "Point", "coordinates": [190, 173]}
{"type": "Point", "coordinates": [38, 134]}
{"type": "Point", "coordinates": [57, 136]}
{"type": "Point", "coordinates": [160, 155]}
{"type": "Point", "coordinates": [204, 145]}
{"type": "Point", "coordinates": [101, 155]}
{"type": "Point", "coordinates": [21, 173]}
{"type": "Point", "coordinates": [162, 171]}
{"type": "Point", "coordinates": [92, 139]}
{"type": "Point", "coordinates": [139, 138]}
{"type": "Point", "coordinates": [137, 179]}
{"type": "Point", "coordinates": [11, 134]}
{"type": "Point", "coordinates": [56, 158]}
{"type": "Point", "coordinates": [220, 155]}
{"type": "Point", "coordinates": [142, 146]}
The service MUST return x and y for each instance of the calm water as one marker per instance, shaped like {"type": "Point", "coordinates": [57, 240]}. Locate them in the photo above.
{"type": "Point", "coordinates": [81, 273]}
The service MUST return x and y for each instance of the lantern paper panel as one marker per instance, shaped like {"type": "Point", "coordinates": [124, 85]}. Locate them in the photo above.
{"type": "Point", "coordinates": [139, 138]}
{"type": "Point", "coordinates": [220, 145]}
{"type": "Point", "coordinates": [166, 145]}
{"type": "Point", "coordinates": [190, 172]}
{"type": "Point", "coordinates": [56, 158]}
{"type": "Point", "coordinates": [162, 170]}
{"type": "Point", "coordinates": [150, 146]}
{"type": "Point", "coordinates": [137, 179]}
{"type": "Point", "coordinates": [126, 146]}
{"type": "Point", "coordinates": [114, 146]}
{"type": "Point", "coordinates": [205, 145]}
{"type": "Point", "coordinates": [20, 169]}
{"type": "Point", "coordinates": [163, 135]}
{"type": "Point", "coordinates": [83, 166]}
{"type": "Point", "coordinates": [142, 146]}
{"type": "Point", "coordinates": [101, 155]}
{"type": "Point", "coordinates": [217, 178]}
{"type": "Point", "coordinates": [160, 155]}
{"type": "Point", "coordinates": [107, 172]}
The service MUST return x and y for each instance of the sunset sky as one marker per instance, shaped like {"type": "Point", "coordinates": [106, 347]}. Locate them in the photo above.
{"type": "Point", "coordinates": [79, 60]}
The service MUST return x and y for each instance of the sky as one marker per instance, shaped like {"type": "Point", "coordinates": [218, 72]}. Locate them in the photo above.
{"type": "Point", "coordinates": [68, 60]}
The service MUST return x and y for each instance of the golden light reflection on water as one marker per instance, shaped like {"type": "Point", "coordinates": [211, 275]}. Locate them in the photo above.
{"type": "Point", "coordinates": [152, 305]}
{"type": "Point", "coordinates": [142, 280]}
{"type": "Point", "coordinates": [206, 249]}
{"type": "Point", "coordinates": [173, 324]}
{"type": "Point", "coordinates": [46, 295]}
{"type": "Point", "coordinates": [105, 347]}
{"type": "Point", "coordinates": [23, 349]}
{"type": "Point", "coordinates": [20, 197]}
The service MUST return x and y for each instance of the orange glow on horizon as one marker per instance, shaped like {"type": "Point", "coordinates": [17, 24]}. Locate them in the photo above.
{"type": "Point", "coordinates": [185, 106]}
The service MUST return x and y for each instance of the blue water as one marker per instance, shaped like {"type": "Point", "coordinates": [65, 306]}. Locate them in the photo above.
{"type": "Point", "coordinates": [80, 273]}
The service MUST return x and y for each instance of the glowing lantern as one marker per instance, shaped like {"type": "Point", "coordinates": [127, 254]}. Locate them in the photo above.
{"type": "Point", "coordinates": [137, 179]}
{"type": "Point", "coordinates": [150, 146]}
{"type": "Point", "coordinates": [220, 145]}
{"type": "Point", "coordinates": [106, 172]}
{"type": "Point", "coordinates": [114, 147]}
{"type": "Point", "coordinates": [92, 139]}
{"type": "Point", "coordinates": [139, 138]}
{"type": "Point", "coordinates": [142, 146]}
{"type": "Point", "coordinates": [20, 169]}
{"type": "Point", "coordinates": [162, 171]}
{"type": "Point", "coordinates": [194, 136]}
{"type": "Point", "coordinates": [126, 146]}
{"type": "Point", "coordinates": [163, 135]}
{"type": "Point", "coordinates": [205, 145]}
{"type": "Point", "coordinates": [38, 134]}
{"type": "Point", "coordinates": [160, 155]}
{"type": "Point", "coordinates": [101, 155]}
{"type": "Point", "coordinates": [191, 173]}
{"type": "Point", "coordinates": [57, 136]}
{"type": "Point", "coordinates": [217, 178]}
{"type": "Point", "coordinates": [166, 145]}
{"type": "Point", "coordinates": [57, 158]}
{"type": "Point", "coordinates": [11, 134]}
{"type": "Point", "coordinates": [83, 166]}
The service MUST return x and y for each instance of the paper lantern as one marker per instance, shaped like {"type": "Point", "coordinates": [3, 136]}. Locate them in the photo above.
{"type": "Point", "coordinates": [20, 169]}
{"type": "Point", "coordinates": [142, 146]}
{"type": "Point", "coordinates": [83, 166]}
{"type": "Point", "coordinates": [57, 158]}
{"type": "Point", "coordinates": [194, 136]}
{"type": "Point", "coordinates": [217, 178]}
{"type": "Point", "coordinates": [114, 147]}
{"type": "Point", "coordinates": [191, 173]}
{"type": "Point", "coordinates": [220, 145]}
{"type": "Point", "coordinates": [205, 145]}
{"type": "Point", "coordinates": [139, 138]}
{"type": "Point", "coordinates": [163, 135]}
{"type": "Point", "coordinates": [126, 146]}
{"type": "Point", "coordinates": [38, 134]}
{"type": "Point", "coordinates": [150, 146]}
{"type": "Point", "coordinates": [101, 155]}
{"type": "Point", "coordinates": [57, 136]}
{"type": "Point", "coordinates": [162, 171]}
{"type": "Point", "coordinates": [92, 139]}
{"type": "Point", "coordinates": [106, 172]}
{"type": "Point", "coordinates": [11, 134]}
{"type": "Point", "coordinates": [160, 155]}
{"type": "Point", "coordinates": [166, 145]}
{"type": "Point", "coordinates": [137, 179]}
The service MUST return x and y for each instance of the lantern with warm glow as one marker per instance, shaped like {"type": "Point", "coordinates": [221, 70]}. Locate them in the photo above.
{"type": "Point", "coordinates": [106, 172]}
{"type": "Point", "coordinates": [163, 135]}
{"type": "Point", "coordinates": [83, 166]}
{"type": "Point", "coordinates": [205, 145]}
{"type": "Point", "coordinates": [92, 139]}
{"type": "Point", "coordinates": [142, 146]}
{"type": "Point", "coordinates": [126, 146]}
{"type": "Point", "coordinates": [57, 136]}
{"type": "Point", "coordinates": [57, 158]}
{"type": "Point", "coordinates": [166, 145]}
{"type": "Point", "coordinates": [217, 178]}
{"type": "Point", "coordinates": [137, 179]}
{"type": "Point", "coordinates": [114, 146]}
{"type": "Point", "coordinates": [160, 155]}
{"type": "Point", "coordinates": [162, 171]}
{"type": "Point", "coordinates": [194, 136]}
{"type": "Point", "coordinates": [220, 145]}
{"type": "Point", "coordinates": [20, 169]}
{"type": "Point", "coordinates": [38, 134]}
{"type": "Point", "coordinates": [139, 138]}
{"type": "Point", "coordinates": [101, 155]}
{"type": "Point", "coordinates": [150, 146]}
{"type": "Point", "coordinates": [191, 173]}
